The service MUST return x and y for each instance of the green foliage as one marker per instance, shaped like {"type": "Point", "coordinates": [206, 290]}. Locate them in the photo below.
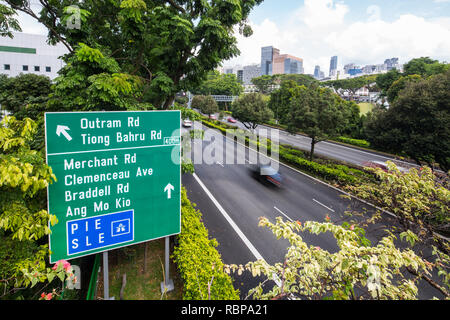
{"type": "Point", "coordinates": [20, 94]}
{"type": "Point", "coordinates": [208, 105]}
{"type": "Point", "coordinates": [220, 84]}
{"type": "Point", "coordinates": [94, 81]}
{"type": "Point", "coordinates": [318, 113]}
{"type": "Point", "coordinates": [424, 67]}
{"type": "Point", "coordinates": [171, 46]}
{"type": "Point", "coordinates": [252, 110]}
{"type": "Point", "coordinates": [355, 142]}
{"type": "Point", "coordinates": [8, 22]}
{"type": "Point", "coordinates": [198, 260]}
{"type": "Point", "coordinates": [24, 177]}
{"type": "Point", "coordinates": [373, 272]}
{"type": "Point", "coordinates": [334, 173]}
{"type": "Point", "coordinates": [351, 85]}
{"type": "Point", "coordinates": [385, 81]}
{"type": "Point", "coordinates": [418, 122]}
{"type": "Point", "coordinates": [415, 196]}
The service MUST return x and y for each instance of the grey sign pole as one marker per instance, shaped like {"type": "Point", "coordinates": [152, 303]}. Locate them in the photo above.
{"type": "Point", "coordinates": [168, 285]}
{"type": "Point", "coordinates": [106, 276]}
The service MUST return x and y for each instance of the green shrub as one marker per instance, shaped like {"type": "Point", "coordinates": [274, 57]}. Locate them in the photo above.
{"type": "Point", "coordinates": [338, 173]}
{"type": "Point", "coordinates": [355, 142]}
{"type": "Point", "coordinates": [198, 260]}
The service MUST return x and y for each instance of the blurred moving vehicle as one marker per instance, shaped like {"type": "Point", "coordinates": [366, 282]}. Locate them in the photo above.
{"type": "Point", "coordinates": [231, 120]}
{"type": "Point", "coordinates": [187, 123]}
{"type": "Point", "coordinates": [383, 166]}
{"type": "Point", "coordinates": [267, 174]}
{"type": "Point", "coordinates": [213, 117]}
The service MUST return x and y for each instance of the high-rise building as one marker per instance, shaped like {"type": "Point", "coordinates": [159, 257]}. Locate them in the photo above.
{"type": "Point", "coordinates": [272, 62]}
{"type": "Point", "coordinates": [287, 64]}
{"type": "Point", "coordinates": [30, 53]}
{"type": "Point", "coordinates": [333, 66]}
{"type": "Point", "coordinates": [391, 64]}
{"type": "Point", "coordinates": [268, 55]}
{"type": "Point", "coordinates": [251, 72]}
{"type": "Point", "coordinates": [318, 74]}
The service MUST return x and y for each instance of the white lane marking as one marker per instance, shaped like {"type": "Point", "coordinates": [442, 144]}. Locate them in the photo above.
{"type": "Point", "coordinates": [323, 205]}
{"type": "Point", "coordinates": [283, 214]}
{"type": "Point", "coordinates": [241, 235]}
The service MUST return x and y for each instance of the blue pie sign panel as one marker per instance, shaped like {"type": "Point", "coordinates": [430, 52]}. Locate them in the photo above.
{"type": "Point", "coordinates": [99, 232]}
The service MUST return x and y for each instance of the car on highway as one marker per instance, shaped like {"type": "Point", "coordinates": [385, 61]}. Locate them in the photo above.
{"type": "Point", "coordinates": [383, 166]}
{"type": "Point", "coordinates": [267, 174]}
{"type": "Point", "coordinates": [213, 117]}
{"type": "Point", "coordinates": [231, 120]}
{"type": "Point", "coordinates": [187, 123]}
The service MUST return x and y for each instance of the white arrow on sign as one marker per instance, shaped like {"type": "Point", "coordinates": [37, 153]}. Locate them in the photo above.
{"type": "Point", "coordinates": [63, 130]}
{"type": "Point", "coordinates": [169, 190]}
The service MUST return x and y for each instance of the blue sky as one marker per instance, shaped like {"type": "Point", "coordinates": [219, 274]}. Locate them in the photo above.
{"type": "Point", "coordinates": [392, 9]}
{"type": "Point", "coordinates": [359, 31]}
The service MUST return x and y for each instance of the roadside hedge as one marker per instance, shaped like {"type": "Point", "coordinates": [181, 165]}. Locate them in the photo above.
{"type": "Point", "coordinates": [355, 142]}
{"type": "Point", "coordinates": [198, 260]}
{"type": "Point", "coordinates": [337, 173]}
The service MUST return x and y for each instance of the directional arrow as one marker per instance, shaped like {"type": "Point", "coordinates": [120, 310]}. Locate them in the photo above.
{"type": "Point", "coordinates": [63, 130]}
{"type": "Point", "coordinates": [169, 190]}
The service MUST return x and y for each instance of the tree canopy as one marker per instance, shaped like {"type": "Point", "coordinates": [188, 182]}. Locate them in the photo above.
{"type": "Point", "coordinates": [252, 110]}
{"type": "Point", "coordinates": [170, 45]}
{"type": "Point", "coordinates": [418, 122]}
{"type": "Point", "coordinates": [220, 84]}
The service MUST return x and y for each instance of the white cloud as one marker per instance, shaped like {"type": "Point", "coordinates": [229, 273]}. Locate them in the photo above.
{"type": "Point", "coordinates": [319, 29]}
{"type": "Point", "coordinates": [317, 14]}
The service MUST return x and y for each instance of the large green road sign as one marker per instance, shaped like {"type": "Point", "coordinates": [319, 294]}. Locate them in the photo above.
{"type": "Point", "coordinates": [118, 179]}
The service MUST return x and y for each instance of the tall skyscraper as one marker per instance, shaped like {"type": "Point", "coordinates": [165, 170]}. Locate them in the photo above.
{"type": "Point", "coordinates": [272, 62]}
{"type": "Point", "coordinates": [268, 55]}
{"type": "Point", "coordinates": [333, 66]}
{"type": "Point", "coordinates": [318, 74]}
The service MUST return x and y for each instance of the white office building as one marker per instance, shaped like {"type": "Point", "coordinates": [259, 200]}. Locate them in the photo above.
{"type": "Point", "coordinates": [30, 53]}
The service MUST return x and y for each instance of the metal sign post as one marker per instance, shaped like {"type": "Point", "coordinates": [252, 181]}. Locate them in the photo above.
{"type": "Point", "coordinates": [105, 276]}
{"type": "Point", "coordinates": [167, 285]}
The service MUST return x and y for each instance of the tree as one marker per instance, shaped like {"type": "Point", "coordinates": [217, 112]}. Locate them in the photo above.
{"type": "Point", "coordinates": [399, 85]}
{"type": "Point", "coordinates": [8, 22]}
{"type": "Point", "coordinates": [356, 271]}
{"type": "Point", "coordinates": [93, 81]}
{"type": "Point", "coordinates": [170, 45]}
{"type": "Point", "coordinates": [24, 222]}
{"type": "Point", "coordinates": [421, 205]}
{"type": "Point", "coordinates": [385, 81]}
{"type": "Point", "coordinates": [264, 83]}
{"type": "Point", "coordinates": [18, 92]}
{"type": "Point", "coordinates": [418, 122]}
{"type": "Point", "coordinates": [220, 84]}
{"type": "Point", "coordinates": [209, 106]}
{"type": "Point", "coordinates": [419, 66]}
{"type": "Point", "coordinates": [318, 113]}
{"type": "Point", "coordinates": [280, 100]}
{"type": "Point", "coordinates": [350, 86]}
{"type": "Point", "coordinates": [252, 110]}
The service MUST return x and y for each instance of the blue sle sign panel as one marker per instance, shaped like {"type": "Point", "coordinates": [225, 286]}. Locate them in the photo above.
{"type": "Point", "coordinates": [88, 234]}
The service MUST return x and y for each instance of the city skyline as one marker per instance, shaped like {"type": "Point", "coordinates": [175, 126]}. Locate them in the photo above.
{"type": "Point", "coordinates": [361, 32]}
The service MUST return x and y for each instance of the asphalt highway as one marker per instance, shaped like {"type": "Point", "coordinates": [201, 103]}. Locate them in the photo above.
{"type": "Point", "coordinates": [232, 202]}
{"type": "Point", "coordinates": [330, 150]}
